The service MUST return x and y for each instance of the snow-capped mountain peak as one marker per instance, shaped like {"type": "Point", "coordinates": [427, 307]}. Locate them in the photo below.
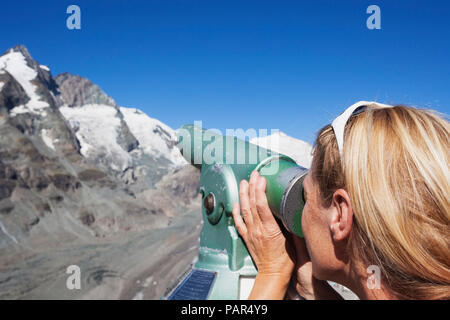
{"type": "Point", "coordinates": [15, 63]}
{"type": "Point", "coordinates": [280, 142]}
{"type": "Point", "coordinates": [116, 137]}
{"type": "Point", "coordinates": [97, 128]}
{"type": "Point", "coordinates": [154, 137]}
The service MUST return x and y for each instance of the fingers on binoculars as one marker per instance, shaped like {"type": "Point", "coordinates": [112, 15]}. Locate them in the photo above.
{"type": "Point", "coordinates": [245, 202]}
{"type": "Point", "coordinates": [252, 193]}
{"type": "Point", "coordinates": [258, 199]}
{"type": "Point", "coordinates": [254, 205]}
{"type": "Point", "coordinates": [262, 206]}
{"type": "Point", "coordinates": [240, 225]}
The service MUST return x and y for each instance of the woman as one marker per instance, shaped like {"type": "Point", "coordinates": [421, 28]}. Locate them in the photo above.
{"type": "Point", "coordinates": [377, 211]}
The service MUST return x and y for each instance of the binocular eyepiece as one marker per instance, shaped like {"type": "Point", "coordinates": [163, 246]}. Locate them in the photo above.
{"type": "Point", "coordinates": [225, 161]}
{"type": "Point", "coordinates": [284, 191]}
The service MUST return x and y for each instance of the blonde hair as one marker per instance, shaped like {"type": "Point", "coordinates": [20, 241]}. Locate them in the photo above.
{"type": "Point", "coordinates": [395, 167]}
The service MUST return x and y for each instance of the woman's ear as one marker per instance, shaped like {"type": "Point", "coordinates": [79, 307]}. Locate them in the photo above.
{"type": "Point", "coordinates": [341, 218]}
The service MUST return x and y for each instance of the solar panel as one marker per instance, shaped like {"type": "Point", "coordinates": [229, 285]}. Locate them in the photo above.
{"type": "Point", "coordinates": [196, 286]}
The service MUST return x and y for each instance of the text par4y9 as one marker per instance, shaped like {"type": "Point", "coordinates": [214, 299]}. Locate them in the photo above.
{"type": "Point", "coordinates": [230, 309]}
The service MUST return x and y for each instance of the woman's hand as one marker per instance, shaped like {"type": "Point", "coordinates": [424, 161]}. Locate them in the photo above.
{"type": "Point", "coordinates": [269, 248]}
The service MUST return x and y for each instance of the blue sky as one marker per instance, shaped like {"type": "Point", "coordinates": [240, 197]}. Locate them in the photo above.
{"type": "Point", "coordinates": [288, 65]}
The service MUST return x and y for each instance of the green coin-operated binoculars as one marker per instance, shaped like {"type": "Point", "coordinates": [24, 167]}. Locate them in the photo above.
{"type": "Point", "coordinates": [224, 269]}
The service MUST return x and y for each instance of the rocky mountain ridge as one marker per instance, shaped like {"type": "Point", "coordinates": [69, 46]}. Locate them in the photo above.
{"type": "Point", "coordinates": [48, 181]}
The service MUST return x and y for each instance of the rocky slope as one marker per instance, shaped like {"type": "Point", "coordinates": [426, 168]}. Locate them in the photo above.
{"type": "Point", "coordinates": [63, 190]}
{"type": "Point", "coordinates": [51, 166]}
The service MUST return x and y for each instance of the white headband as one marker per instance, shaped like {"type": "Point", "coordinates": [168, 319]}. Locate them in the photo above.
{"type": "Point", "coordinates": [339, 123]}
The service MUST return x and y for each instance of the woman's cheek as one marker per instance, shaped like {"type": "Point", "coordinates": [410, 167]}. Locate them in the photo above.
{"type": "Point", "coordinates": [306, 221]}
{"type": "Point", "coordinates": [311, 235]}
{"type": "Point", "coordinates": [307, 226]}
